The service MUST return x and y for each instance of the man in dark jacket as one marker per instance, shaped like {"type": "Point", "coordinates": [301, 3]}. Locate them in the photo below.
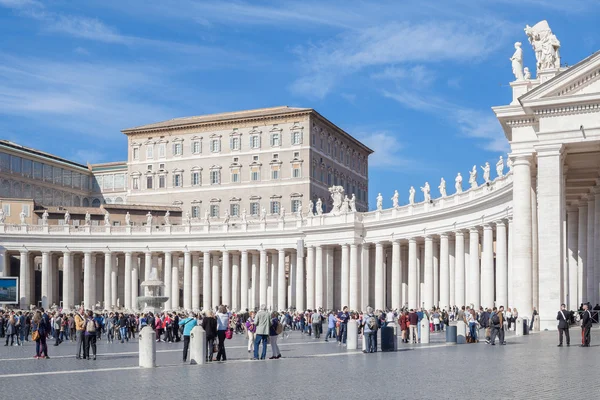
{"type": "Point", "coordinates": [497, 323]}
{"type": "Point", "coordinates": [563, 318]}
{"type": "Point", "coordinates": [586, 326]}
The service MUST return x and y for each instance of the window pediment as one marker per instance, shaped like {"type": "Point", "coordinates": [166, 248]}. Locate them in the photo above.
{"type": "Point", "coordinates": [215, 200]}
{"type": "Point", "coordinates": [276, 196]}
{"type": "Point", "coordinates": [254, 197]}
{"type": "Point", "coordinates": [254, 131]}
{"type": "Point", "coordinates": [215, 167]}
{"type": "Point", "coordinates": [235, 199]}
{"type": "Point", "coordinates": [215, 136]}
{"type": "Point", "coordinates": [196, 137]}
{"type": "Point", "coordinates": [196, 168]}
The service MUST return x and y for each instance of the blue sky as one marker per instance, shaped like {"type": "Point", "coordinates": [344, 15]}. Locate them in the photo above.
{"type": "Point", "coordinates": [413, 80]}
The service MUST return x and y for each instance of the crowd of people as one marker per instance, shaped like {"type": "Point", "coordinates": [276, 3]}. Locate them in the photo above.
{"type": "Point", "coordinates": [263, 327]}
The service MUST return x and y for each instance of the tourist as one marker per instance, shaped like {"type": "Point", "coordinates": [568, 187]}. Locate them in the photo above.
{"type": "Point", "coordinates": [168, 324]}
{"type": "Point", "coordinates": [123, 323]}
{"type": "Point", "coordinates": [250, 331]}
{"type": "Point", "coordinates": [413, 321]}
{"type": "Point", "coordinates": [404, 326]}
{"type": "Point", "coordinates": [331, 322]}
{"type": "Point", "coordinates": [370, 326]}
{"type": "Point", "coordinates": [158, 327]}
{"type": "Point", "coordinates": [188, 324]}
{"type": "Point", "coordinates": [56, 324]}
{"type": "Point", "coordinates": [317, 324]}
{"type": "Point", "coordinates": [533, 315]}
{"type": "Point", "coordinates": [79, 331]}
{"type": "Point", "coordinates": [39, 326]}
{"type": "Point", "coordinates": [109, 324]}
{"type": "Point", "coordinates": [343, 318]}
{"type": "Point", "coordinates": [274, 331]}
{"type": "Point", "coordinates": [509, 317]}
{"type": "Point", "coordinates": [263, 323]}
{"type": "Point", "coordinates": [23, 325]}
{"type": "Point", "coordinates": [472, 321]}
{"type": "Point", "coordinates": [11, 330]}
{"type": "Point", "coordinates": [497, 323]}
{"type": "Point", "coordinates": [64, 328]}
{"type": "Point", "coordinates": [90, 335]}
{"type": "Point", "coordinates": [564, 318]}
{"type": "Point", "coordinates": [515, 315]}
{"type": "Point", "coordinates": [436, 320]}
{"type": "Point", "coordinates": [222, 327]}
{"type": "Point", "coordinates": [586, 326]}
{"type": "Point", "coordinates": [209, 324]}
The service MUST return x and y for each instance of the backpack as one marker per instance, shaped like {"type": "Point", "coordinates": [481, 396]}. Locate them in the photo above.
{"type": "Point", "coordinates": [372, 323]}
{"type": "Point", "coordinates": [279, 328]}
{"type": "Point", "coordinates": [316, 318]}
{"type": "Point", "coordinates": [495, 319]}
{"type": "Point", "coordinates": [90, 326]}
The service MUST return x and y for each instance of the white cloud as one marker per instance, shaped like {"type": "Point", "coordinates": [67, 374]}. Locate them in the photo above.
{"type": "Point", "coordinates": [85, 156]}
{"type": "Point", "coordinates": [387, 149]}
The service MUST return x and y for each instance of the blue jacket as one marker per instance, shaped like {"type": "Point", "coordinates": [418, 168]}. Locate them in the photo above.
{"type": "Point", "coordinates": [188, 325]}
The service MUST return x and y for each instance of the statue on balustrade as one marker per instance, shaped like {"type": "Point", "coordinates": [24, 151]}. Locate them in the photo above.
{"type": "Point", "coordinates": [167, 218]}
{"type": "Point", "coordinates": [263, 214]}
{"type": "Point", "coordinates": [244, 216]}
{"type": "Point", "coordinates": [473, 177]}
{"type": "Point", "coordinates": [22, 217]}
{"type": "Point", "coordinates": [442, 187]}
{"type": "Point", "coordinates": [282, 213]}
{"type": "Point", "coordinates": [149, 219]}
{"type": "Point", "coordinates": [345, 205]}
{"type": "Point", "coordinates": [45, 217]}
{"type": "Point", "coordinates": [545, 44]}
{"type": "Point", "coordinates": [106, 218]}
{"type": "Point", "coordinates": [337, 197]}
{"type": "Point", "coordinates": [500, 167]}
{"type": "Point", "coordinates": [226, 218]}
{"type": "Point", "coordinates": [311, 208]}
{"type": "Point", "coordinates": [2, 216]}
{"type": "Point", "coordinates": [379, 202]}
{"type": "Point", "coordinates": [517, 62]}
{"type": "Point", "coordinates": [206, 216]}
{"type": "Point", "coordinates": [395, 199]}
{"type": "Point", "coordinates": [458, 184]}
{"type": "Point", "coordinates": [526, 74]}
{"type": "Point", "coordinates": [88, 218]}
{"type": "Point", "coordinates": [299, 212]}
{"type": "Point", "coordinates": [127, 219]}
{"type": "Point", "coordinates": [509, 164]}
{"type": "Point", "coordinates": [426, 192]}
{"type": "Point", "coordinates": [411, 195]}
{"type": "Point", "coordinates": [319, 206]}
{"type": "Point", "coordinates": [188, 218]}
{"type": "Point", "coordinates": [67, 217]}
{"type": "Point", "coordinates": [486, 172]}
{"type": "Point", "coordinates": [352, 204]}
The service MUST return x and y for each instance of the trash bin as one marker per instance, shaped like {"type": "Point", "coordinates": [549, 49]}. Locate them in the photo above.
{"type": "Point", "coordinates": [525, 326]}
{"type": "Point", "coordinates": [388, 339]}
{"type": "Point", "coordinates": [451, 334]}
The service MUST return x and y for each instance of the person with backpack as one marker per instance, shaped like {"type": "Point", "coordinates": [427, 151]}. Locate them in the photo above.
{"type": "Point", "coordinates": [274, 332]}
{"type": "Point", "coordinates": [188, 324]}
{"type": "Point", "coordinates": [343, 317]}
{"type": "Point", "coordinates": [369, 326]}
{"type": "Point", "coordinates": [497, 324]}
{"type": "Point", "coordinates": [80, 332]}
{"type": "Point", "coordinates": [90, 335]}
{"type": "Point", "coordinates": [317, 320]}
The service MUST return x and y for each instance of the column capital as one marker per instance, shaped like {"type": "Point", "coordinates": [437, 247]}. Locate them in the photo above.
{"type": "Point", "coordinates": [474, 229]}
{"type": "Point", "coordinates": [546, 150]}
{"type": "Point", "coordinates": [281, 251]}
{"type": "Point", "coordinates": [488, 226]}
{"type": "Point", "coordinates": [412, 240]}
{"type": "Point", "coordinates": [66, 253]}
{"type": "Point", "coordinates": [353, 245]}
{"type": "Point", "coordinates": [444, 235]}
{"type": "Point", "coordinates": [428, 238]}
{"type": "Point", "coordinates": [501, 222]}
{"type": "Point", "coordinates": [378, 244]}
{"type": "Point", "coordinates": [459, 232]}
{"type": "Point", "coordinates": [345, 244]}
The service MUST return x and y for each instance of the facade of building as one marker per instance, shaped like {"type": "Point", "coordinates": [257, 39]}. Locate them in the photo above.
{"type": "Point", "coordinates": [527, 237]}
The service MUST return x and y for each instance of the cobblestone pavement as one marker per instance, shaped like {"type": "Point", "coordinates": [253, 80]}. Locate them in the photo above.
{"type": "Point", "coordinates": [529, 367]}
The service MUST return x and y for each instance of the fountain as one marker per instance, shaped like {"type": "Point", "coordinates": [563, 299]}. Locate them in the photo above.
{"type": "Point", "coordinates": [152, 299]}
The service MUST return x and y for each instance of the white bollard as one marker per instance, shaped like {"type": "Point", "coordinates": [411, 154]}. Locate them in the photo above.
{"type": "Point", "coordinates": [198, 346]}
{"type": "Point", "coordinates": [147, 344]}
{"type": "Point", "coordinates": [461, 332]}
{"type": "Point", "coordinates": [519, 330]}
{"type": "Point", "coordinates": [364, 342]}
{"type": "Point", "coordinates": [424, 331]}
{"type": "Point", "coordinates": [352, 337]}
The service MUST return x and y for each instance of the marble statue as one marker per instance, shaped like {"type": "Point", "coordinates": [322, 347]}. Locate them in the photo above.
{"type": "Point", "coordinates": [167, 218]}
{"type": "Point", "coordinates": [509, 164]}
{"type": "Point", "coordinates": [337, 196]}
{"type": "Point", "coordinates": [442, 187]}
{"type": "Point", "coordinates": [88, 218]}
{"type": "Point", "coordinates": [486, 172]}
{"type": "Point", "coordinates": [67, 217]}
{"type": "Point", "coordinates": [106, 218]}
{"type": "Point", "coordinates": [45, 217]}
{"type": "Point", "coordinates": [545, 45]}
{"type": "Point", "coordinates": [188, 218]}
{"type": "Point", "coordinates": [319, 206]}
{"type": "Point", "coordinates": [411, 195]}
{"type": "Point", "coordinates": [282, 213]}
{"type": "Point", "coordinates": [379, 202]}
{"type": "Point", "coordinates": [311, 208]}
{"type": "Point", "coordinates": [2, 216]}
{"type": "Point", "coordinates": [526, 74]}
{"type": "Point", "coordinates": [206, 215]}
{"type": "Point", "coordinates": [500, 167]}
{"type": "Point", "coordinates": [226, 218]}
{"type": "Point", "coordinates": [22, 217]}
{"type": "Point", "coordinates": [263, 214]}
{"type": "Point", "coordinates": [426, 192]}
{"type": "Point", "coordinates": [473, 177]}
{"type": "Point", "coordinates": [127, 219]}
{"type": "Point", "coordinates": [149, 219]}
{"type": "Point", "coordinates": [395, 199]}
{"type": "Point", "coordinates": [352, 203]}
{"type": "Point", "coordinates": [517, 62]}
{"type": "Point", "coordinates": [345, 205]}
{"type": "Point", "coordinates": [299, 212]}
{"type": "Point", "coordinates": [244, 216]}
{"type": "Point", "coordinates": [458, 184]}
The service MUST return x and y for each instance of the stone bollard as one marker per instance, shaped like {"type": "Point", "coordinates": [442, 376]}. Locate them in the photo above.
{"type": "Point", "coordinates": [198, 346]}
{"type": "Point", "coordinates": [352, 337]}
{"type": "Point", "coordinates": [536, 323]}
{"type": "Point", "coordinates": [424, 331]}
{"type": "Point", "coordinates": [519, 330]}
{"type": "Point", "coordinates": [461, 332]}
{"type": "Point", "coordinates": [147, 343]}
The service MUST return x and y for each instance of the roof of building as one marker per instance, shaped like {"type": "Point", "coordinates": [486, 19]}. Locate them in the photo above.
{"type": "Point", "coordinates": [109, 166]}
{"type": "Point", "coordinates": [220, 117]}
{"type": "Point", "coordinates": [100, 210]}
{"type": "Point", "coordinates": [40, 153]}
{"type": "Point", "coordinates": [142, 207]}
{"type": "Point", "coordinates": [72, 210]}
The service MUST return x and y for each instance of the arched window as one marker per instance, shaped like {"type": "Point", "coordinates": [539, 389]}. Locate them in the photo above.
{"type": "Point", "coordinates": [86, 202]}
{"type": "Point", "coordinates": [96, 203]}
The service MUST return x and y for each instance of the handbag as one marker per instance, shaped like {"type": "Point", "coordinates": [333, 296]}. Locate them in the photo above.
{"type": "Point", "coordinates": [215, 348]}
{"type": "Point", "coordinates": [228, 333]}
{"type": "Point", "coordinates": [35, 336]}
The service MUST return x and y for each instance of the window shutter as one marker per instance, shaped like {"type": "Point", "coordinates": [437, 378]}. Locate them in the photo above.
{"type": "Point", "coordinates": [258, 137]}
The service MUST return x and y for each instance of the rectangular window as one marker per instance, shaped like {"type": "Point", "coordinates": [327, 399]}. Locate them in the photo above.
{"type": "Point", "coordinates": [254, 208]}
{"type": "Point", "coordinates": [214, 210]}
{"type": "Point", "coordinates": [275, 139]}
{"type": "Point", "coordinates": [26, 209]}
{"type": "Point", "coordinates": [66, 177]}
{"type": "Point", "coordinates": [195, 211]}
{"type": "Point", "coordinates": [255, 176]}
{"type": "Point", "coordinates": [177, 180]}
{"type": "Point", "coordinates": [234, 143]}
{"type": "Point", "coordinates": [15, 164]}
{"type": "Point", "coordinates": [296, 205]}
{"type": "Point", "coordinates": [149, 167]}
{"type": "Point", "coordinates": [275, 174]}
{"type": "Point", "coordinates": [177, 149]}
{"type": "Point", "coordinates": [85, 182]}
{"type": "Point", "coordinates": [57, 176]}
{"type": "Point", "coordinates": [296, 171]}
{"type": "Point", "coordinates": [296, 137]}
{"type": "Point", "coordinates": [148, 182]}
{"type": "Point", "coordinates": [342, 157]}
{"type": "Point", "coordinates": [162, 182]}
{"type": "Point", "coordinates": [196, 147]}
{"type": "Point", "coordinates": [136, 153]}
{"type": "Point", "coordinates": [6, 209]}
{"type": "Point", "coordinates": [162, 150]}
{"type": "Point", "coordinates": [135, 183]}
{"type": "Point", "coordinates": [215, 145]}
{"type": "Point", "coordinates": [4, 162]}
{"type": "Point", "coordinates": [275, 207]}
{"type": "Point", "coordinates": [37, 170]}
{"type": "Point", "coordinates": [254, 142]}
{"type": "Point", "coordinates": [215, 177]}
{"type": "Point", "coordinates": [235, 176]}
{"type": "Point", "coordinates": [234, 210]}
{"type": "Point", "coordinates": [149, 151]}
{"type": "Point", "coordinates": [296, 154]}
{"type": "Point", "coordinates": [195, 178]}
{"type": "Point", "coordinates": [109, 182]}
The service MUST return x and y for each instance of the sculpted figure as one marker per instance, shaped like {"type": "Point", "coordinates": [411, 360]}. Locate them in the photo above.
{"type": "Point", "coordinates": [127, 219]}
{"type": "Point", "coordinates": [442, 188]}
{"type": "Point", "coordinates": [509, 164]}
{"type": "Point", "coordinates": [2, 216]}
{"type": "Point", "coordinates": [282, 213]}
{"type": "Point", "coordinates": [299, 212]}
{"type": "Point", "coordinates": [188, 218]}
{"type": "Point", "coordinates": [206, 215]}
{"type": "Point", "coordinates": [458, 184]}
{"type": "Point", "coordinates": [106, 218]}
{"type": "Point", "coordinates": [473, 177]}
{"type": "Point", "coordinates": [395, 199]}
{"type": "Point", "coordinates": [517, 62]}
{"type": "Point", "coordinates": [319, 207]}
{"type": "Point", "coordinates": [22, 217]}
{"type": "Point", "coordinates": [411, 196]}
{"type": "Point", "coordinates": [311, 208]}
{"type": "Point", "coordinates": [337, 197]}
{"type": "Point", "coordinates": [263, 214]}
{"type": "Point", "coordinates": [426, 192]}
{"type": "Point", "coordinates": [88, 218]}
{"type": "Point", "coordinates": [167, 218]}
{"type": "Point", "coordinates": [345, 205]}
{"type": "Point", "coordinates": [500, 167]}
{"type": "Point", "coordinates": [226, 218]}
{"type": "Point", "coordinates": [486, 172]}
{"type": "Point", "coordinates": [352, 204]}
{"type": "Point", "coordinates": [149, 219]}
{"type": "Point", "coordinates": [67, 217]}
{"type": "Point", "coordinates": [545, 44]}
{"type": "Point", "coordinates": [45, 217]}
{"type": "Point", "coordinates": [244, 216]}
{"type": "Point", "coordinates": [526, 74]}
{"type": "Point", "coordinates": [379, 202]}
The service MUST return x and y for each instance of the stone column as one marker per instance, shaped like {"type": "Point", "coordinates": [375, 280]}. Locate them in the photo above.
{"type": "Point", "coordinates": [436, 274]}
{"type": "Point", "coordinates": [319, 287]}
{"type": "Point", "coordinates": [135, 269]}
{"type": "Point", "coordinates": [511, 235]}
{"type": "Point", "coordinates": [175, 281]}
{"type": "Point", "coordinates": [187, 280]}
{"type": "Point", "coordinates": [365, 276]}
{"type": "Point", "coordinates": [168, 290]}
{"type": "Point", "coordinates": [354, 298]}
{"type": "Point", "coordinates": [550, 230]}
{"type": "Point", "coordinates": [487, 267]}
{"type": "Point", "coordinates": [459, 268]}
{"type": "Point", "coordinates": [329, 267]}
{"type": "Point", "coordinates": [379, 284]}
{"type": "Point", "coordinates": [272, 278]}
{"type": "Point", "coordinates": [147, 265]}
{"type": "Point", "coordinates": [263, 285]}
{"type": "Point", "coordinates": [310, 277]}
{"type": "Point", "coordinates": [68, 287]}
{"type": "Point", "coordinates": [235, 281]}
{"type": "Point", "coordinates": [572, 249]}
{"type": "Point", "coordinates": [255, 272]}
{"type": "Point", "coordinates": [113, 281]}
{"type": "Point", "coordinates": [206, 282]}
{"type": "Point", "coordinates": [195, 281]}
{"type": "Point", "coordinates": [4, 263]}
{"type": "Point", "coordinates": [300, 287]}
{"type": "Point", "coordinates": [582, 264]}
{"type": "Point", "coordinates": [107, 279]}
{"type": "Point", "coordinates": [413, 281]}
{"type": "Point", "coordinates": [501, 265]}
{"type": "Point", "coordinates": [596, 292]}
{"type": "Point", "coordinates": [127, 278]}
{"type": "Point", "coordinates": [226, 279]}
{"type": "Point", "coordinates": [428, 279]}
{"type": "Point", "coordinates": [281, 282]}
{"type": "Point", "coordinates": [396, 274]}
{"type": "Point", "coordinates": [444, 272]}
{"type": "Point", "coordinates": [591, 253]}
{"type": "Point", "coordinates": [452, 270]}
{"type": "Point", "coordinates": [345, 278]}
{"type": "Point", "coordinates": [24, 299]}
{"type": "Point", "coordinates": [474, 271]}
{"type": "Point", "coordinates": [245, 280]}
{"type": "Point", "coordinates": [292, 275]}
{"type": "Point", "coordinates": [521, 274]}
{"type": "Point", "coordinates": [88, 300]}
{"type": "Point", "coordinates": [216, 284]}
{"type": "Point", "coordinates": [45, 279]}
